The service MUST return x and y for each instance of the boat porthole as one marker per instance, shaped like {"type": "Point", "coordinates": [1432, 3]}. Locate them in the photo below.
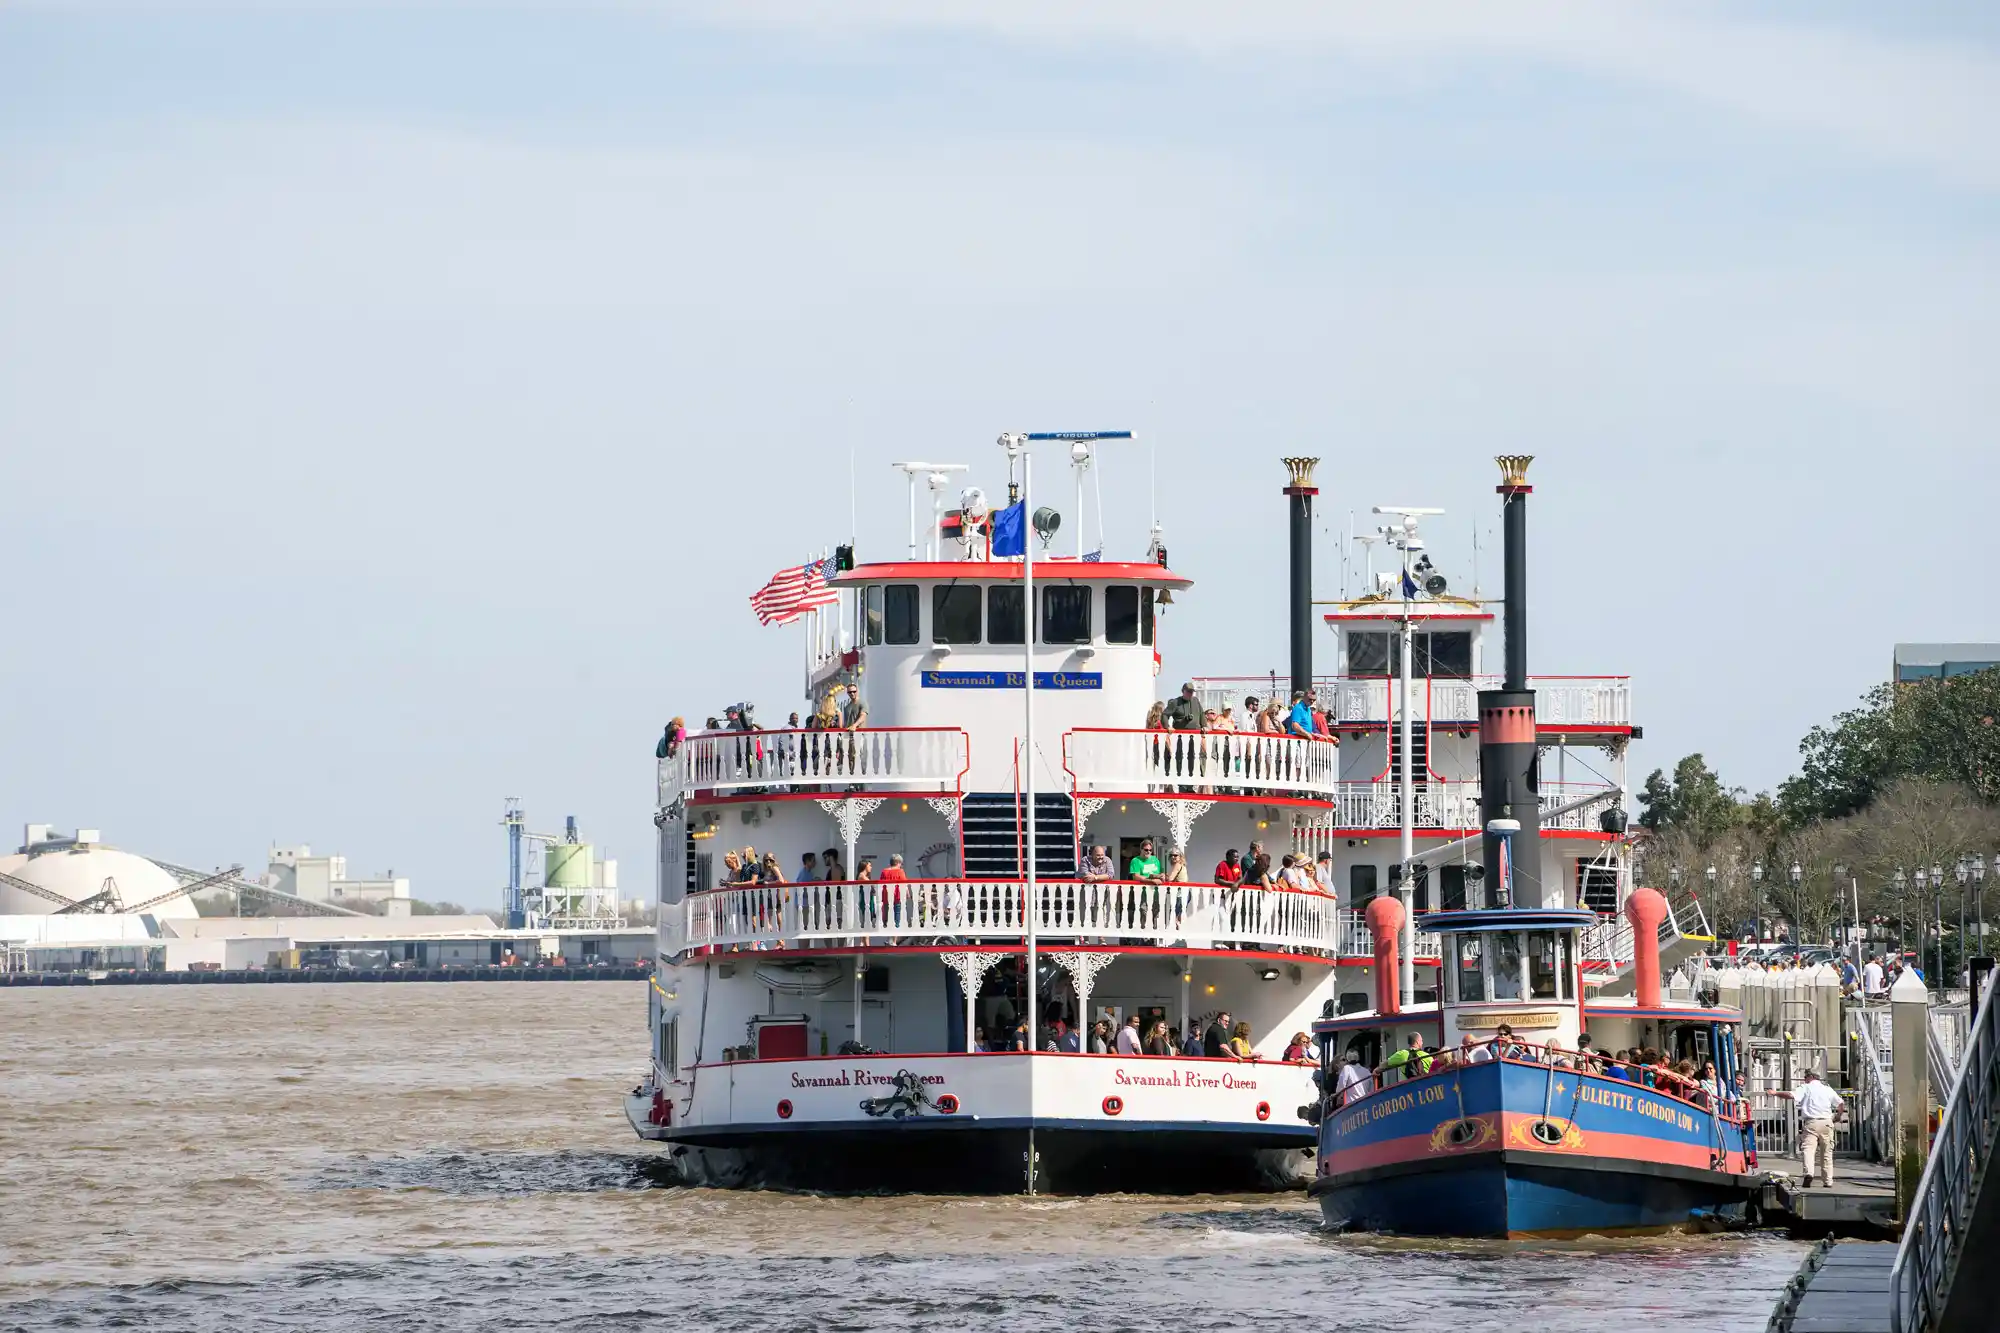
{"type": "Point", "coordinates": [1462, 1132]}
{"type": "Point", "coordinates": [784, 1108]}
{"type": "Point", "coordinates": [947, 1105]}
{"type": "Point", "coordinates": [1113, 1105]}
{"type": "Point", "coordinates": [1546, 1131]}
{"type": "Point", "coordinates": [1263, 1110]}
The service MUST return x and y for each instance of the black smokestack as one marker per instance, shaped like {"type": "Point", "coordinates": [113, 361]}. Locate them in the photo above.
{"type": "Point", "coordinates": [1509, 763]}
{"type": "Point", "coordinates": [1301, 493]}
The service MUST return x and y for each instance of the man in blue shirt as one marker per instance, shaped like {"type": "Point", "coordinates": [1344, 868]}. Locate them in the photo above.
{"type": "Point", "coordinates": [1300, 720]}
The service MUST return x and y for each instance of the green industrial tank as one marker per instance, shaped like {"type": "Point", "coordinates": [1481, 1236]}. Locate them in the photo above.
{"type": "Point", "coordinates": [566, 865]}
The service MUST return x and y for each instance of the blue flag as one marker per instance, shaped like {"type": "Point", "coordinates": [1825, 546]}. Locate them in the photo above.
{"type": "Point", "coordinates": [1409, 587]}
{"type": "Point", "coordinates": [1010, 529]}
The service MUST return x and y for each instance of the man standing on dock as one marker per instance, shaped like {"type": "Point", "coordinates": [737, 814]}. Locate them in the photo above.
{"type": "Point", "coordinates": [1817, 1104]}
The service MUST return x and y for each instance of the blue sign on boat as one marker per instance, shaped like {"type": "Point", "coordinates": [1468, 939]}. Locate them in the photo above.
{"type": "Point", "coordinates": [1011, 680]}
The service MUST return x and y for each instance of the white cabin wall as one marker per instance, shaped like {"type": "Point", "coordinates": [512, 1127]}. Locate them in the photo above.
{"type": "Point", "coordinates": [892, 684]}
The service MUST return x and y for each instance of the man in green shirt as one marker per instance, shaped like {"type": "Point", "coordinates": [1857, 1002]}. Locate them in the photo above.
{"type": "Point", "coordinates": [1145, 866]}
{"type": "Point", "coordinates": [1413, 1061]}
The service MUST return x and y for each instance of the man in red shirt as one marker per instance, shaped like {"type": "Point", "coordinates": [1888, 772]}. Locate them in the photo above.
{"type": "Point", "coordinates": [1229, 870]}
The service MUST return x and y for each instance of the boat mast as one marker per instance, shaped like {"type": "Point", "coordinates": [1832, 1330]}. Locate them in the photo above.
{"type": "Point", "coordinates": [1407, 798]}
{"type": "Point", "coordinates": [1028, 752]}
{"type": "Point", "coordinates": [1406, 539]}
{"type": "Point", "coordinates": [1015, 443]}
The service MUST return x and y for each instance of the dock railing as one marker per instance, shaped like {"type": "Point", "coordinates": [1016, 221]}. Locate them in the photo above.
{"type": "Point", "coordinates": [1936, 1234]}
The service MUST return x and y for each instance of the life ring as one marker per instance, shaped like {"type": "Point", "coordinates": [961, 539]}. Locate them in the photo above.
{"type": "Point", "coordinates": [947, 1104]}
{"type": "Point", "coordinates": [784, 1108]}
{"type": "Point", "coordinates": [1263, 1110]}
{"type": "Point", "coordinates": [1113, 1104]}
{"type": "Point", "coordinates": [926, 870]}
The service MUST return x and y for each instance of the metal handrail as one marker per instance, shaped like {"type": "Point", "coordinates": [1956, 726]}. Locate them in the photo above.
{"type": "Point", "coordinates": [1934, 1234]}
{"type": "Point", "coordinates": [1875, 1100]}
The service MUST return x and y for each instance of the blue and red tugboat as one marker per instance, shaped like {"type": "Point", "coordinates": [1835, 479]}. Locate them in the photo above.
{"type": "Point", "coordinates": [1476, 1113]}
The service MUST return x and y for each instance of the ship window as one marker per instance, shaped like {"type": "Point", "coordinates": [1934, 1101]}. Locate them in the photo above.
{"type": "Point", "coordinates": [1146, 615]}
{"type": "Point", "coordinates": [1361, 881]}
{"type": "Point", "coordinates": [670, 1046]}
{"type": "Point", "coordinates": [1445, 655]}
{"type": "Point", "coordinates": [1451, 888]}
{"type": "Point", "coordinates": [1565, 968]}
{"type": "Point", "coordinates": [1504, 967]}
{"type": "Point", "coordinates": [1003, 615]}
{"type": "Point", "coordinates": [1121, 614]}
{"type": "Point", "coordinates": [1367, 654]}
{"type": "Point", "coordinates": [1542, 966]}
{"type": "Point", "coordinates": [872, 613]}
{"type": "Point", "coordinates": [899, 613]}
{"type": "Point", "coordinates": [955, 614]}
{"type": "Point", "coordinates": [1471, 981]}
{"type": "Point", "coordinates": [1066, 614]}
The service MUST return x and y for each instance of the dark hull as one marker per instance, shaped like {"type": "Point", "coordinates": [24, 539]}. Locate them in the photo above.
{"type": "Point", "coordinates": [1505, 1194]}
{"type": "Point", "coordinates": [983, 1159]}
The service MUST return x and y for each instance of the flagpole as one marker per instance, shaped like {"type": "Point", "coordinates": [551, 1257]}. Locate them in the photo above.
{"type": "Point", "coordinates": [1028, 769]}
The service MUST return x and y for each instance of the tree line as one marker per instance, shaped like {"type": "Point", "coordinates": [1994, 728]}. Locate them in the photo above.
{"type": "Point", "coordinates": [1907, 781]}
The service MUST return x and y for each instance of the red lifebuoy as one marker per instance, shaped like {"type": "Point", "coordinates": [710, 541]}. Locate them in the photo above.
{"type": "Point", "coordinates": [947, 1104]}
{"type": "Point", "coordinates": [1263, 1110]}
{"type": "Point", "coordinates": [1113, 1105]}
{"type": "Point", "coordinates": [784, 1108]}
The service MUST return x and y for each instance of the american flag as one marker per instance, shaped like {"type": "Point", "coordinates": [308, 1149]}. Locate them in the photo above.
{"type": "Point", "coordinates": [794, 590]}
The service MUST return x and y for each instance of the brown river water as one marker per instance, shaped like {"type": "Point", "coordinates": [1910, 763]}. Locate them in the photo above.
{"type": "Point", "coordinates": [437, 1156]}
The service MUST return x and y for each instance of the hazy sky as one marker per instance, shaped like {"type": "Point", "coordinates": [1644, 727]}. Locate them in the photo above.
{"type": "Point", "coordinates": [396, 410]}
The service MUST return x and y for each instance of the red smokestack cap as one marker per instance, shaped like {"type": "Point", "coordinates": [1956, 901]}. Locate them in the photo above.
{"type": "Point", "coordinates": [1385, 927]}
{"type": "Point", "coordinates": [1646, 909]}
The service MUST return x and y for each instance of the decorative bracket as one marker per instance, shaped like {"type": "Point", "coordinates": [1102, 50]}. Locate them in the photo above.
{"type": "Point", "coordinates": [971, 968]}
{"type": "Point", "coordinates": [1086, 810]}
{"type": "Point", "coordinates": [849, 811]}
{"type": "Point", "coordinates": [1083, 968]}
{"type": "Point", "coordinates": [946, 806]}
{"type": "Point", "coordinates": [1180, 817]}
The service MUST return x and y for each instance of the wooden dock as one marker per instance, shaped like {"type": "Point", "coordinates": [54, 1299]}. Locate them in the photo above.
{"type": "Point", "coordinates": [1843, 1287]}
{"type": "Point", "coordinates": [1861, 1200]}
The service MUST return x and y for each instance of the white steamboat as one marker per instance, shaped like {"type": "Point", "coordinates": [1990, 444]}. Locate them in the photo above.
{"type": "Point", "coordinates": [861, 1034]}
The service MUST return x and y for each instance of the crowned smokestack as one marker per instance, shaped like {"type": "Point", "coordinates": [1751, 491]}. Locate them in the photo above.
{"type": "Point", "coordinates": [1509, 765]}
{"type": "Point", "coordinates": [1301, 493]}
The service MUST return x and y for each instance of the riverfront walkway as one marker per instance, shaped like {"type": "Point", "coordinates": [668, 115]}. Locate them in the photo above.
{"type": "Point", "coordinates": [1841, 1288]}
{"type": "Point", "coordinates": [1861, 1199]}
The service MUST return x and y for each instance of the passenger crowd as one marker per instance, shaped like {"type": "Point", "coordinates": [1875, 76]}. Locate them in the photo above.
{"type": "Point", "coordinates": [1272, 717]}
{"type": "Point", "coordinates": [1214, 1036]}
{"type": "Point", "coordinates": [840, 709]}
{"type": "Point", "coordinates": [1699, 1086]}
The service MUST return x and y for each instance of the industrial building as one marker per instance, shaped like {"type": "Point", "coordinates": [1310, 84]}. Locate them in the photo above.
{"type": "Point", "coordinates": [323, 879]}
{"type": "Point", "coordinates": [50, 942]}
{"type": "Point", "coordinates": [70, 903]}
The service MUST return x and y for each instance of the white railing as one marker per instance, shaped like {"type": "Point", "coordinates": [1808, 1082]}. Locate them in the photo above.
{"type": "Point", "coordinates": [1232, 761]}
{"type": "Point", "coordinates": [912, 758]}
{"type": "Point", "coordinates": [1237, 763]}
{"type": "Point", "coordinates": [1194, 916]}
{"type": "Point", "coordinates": [1560, 701]}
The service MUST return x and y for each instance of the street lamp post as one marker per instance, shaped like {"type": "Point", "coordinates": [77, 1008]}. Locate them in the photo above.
{"type": "Point", "coordinates": [1757, 883]}
{"type": "Point", "coordinates": [1799, 877]}
{"type": "Point", "coordinates": [1708, 878]}
{"type": "Point", "coordinates": [1899, 884]}
{"type": "Point", "coordinates": [1937, 919]}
